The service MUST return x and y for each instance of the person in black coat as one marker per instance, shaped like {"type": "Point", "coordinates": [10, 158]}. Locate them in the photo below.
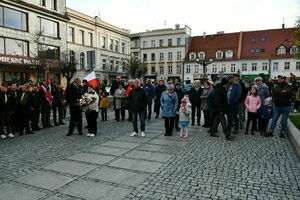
{"type": "Point", "coordinates": [5, 113]}
{"type": "Point", "coordinates": [220, 102]}
{"type": "Point", "coordinates": [36, 105]}
{"type": "Point", "coordinates": [57, 104]}
{"type": "Point", "coordinates": [73, 95]}
{"type": "Point", "coordinates": [138, 100]}
{"type": "Point", "coordinates": [195, 94]}
{"type": "Point", "coordinates": [45, 105]}
{"type": "Point", "coordinates": [159, 89]}
{"type": "Point", "coordinates": [15, 119]}
{"type": "Point", "coordinates": [180, 95]}
{"type": "Point", "coordinates": [25, 109]}
{"type": "Point", "coordinates": [114, 86]}
{"type": "Point", "coordinates": [242, 108]}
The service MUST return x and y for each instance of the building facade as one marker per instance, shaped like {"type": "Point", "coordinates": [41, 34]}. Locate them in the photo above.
{"type": "Point", "coordinates": [162, 51]}
{"type": "Point", "coordinates": [26, 27]}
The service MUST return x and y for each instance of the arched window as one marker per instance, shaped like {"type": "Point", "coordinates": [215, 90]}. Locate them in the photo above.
{"type": "Point", "coordinates": [201, 55]}
{"type": "Point", "coordinates": [192, 56]}
{"type": "Point", "coordinates": [281, 50]}
{"type": "Point", "coordinates": [219, 54]}
{"type": "Point", "coordinates": [294, 49]}
{"type": "Point", "coordinates": [72, 56]}
{"type": "Point", "coordinates": [82, 60]}
{"type": "Point", "coordinates": [229, 54]}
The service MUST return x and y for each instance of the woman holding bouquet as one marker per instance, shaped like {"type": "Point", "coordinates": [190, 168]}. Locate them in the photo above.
{"type": "Point", "coordinates": [120, 95]}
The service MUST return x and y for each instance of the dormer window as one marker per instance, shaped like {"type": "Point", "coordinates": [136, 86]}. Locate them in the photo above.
{"type": "Point", "coordinates": [229, 54]}
{"type": "Point", "coordinates": [192, 56]}
{"type": "Point", "coordinates": [219, 54]}
{"type": "Point", "coordinates": [281, 50]}
{"type": "Point", "coordinates": [201, 55]}
{"type": "Point", "coordinates": [294, 49]}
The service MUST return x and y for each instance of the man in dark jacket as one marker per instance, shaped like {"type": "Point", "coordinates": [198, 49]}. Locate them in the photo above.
{"type": "Point", "coordinates": [180, 95]}
{"type": "Point", "coordinates": [159, 89]}
{"type": "Point", "coordinates": [220, 108]}
{"type": "Point", "coordinates": [36, 106]}
{"type": "Point", "coordinates": [138, 100]}
{"type": "Point", "coordinates": [244, 92]}
{"type": "Point", "coordinates": [234, 93]}
{"type": "Point", "coordinates": [114, 86]}
{"type": "Point", "coordinates": [73, 95]}
{"type": "Point", "coordinates": [195, 94]}
{"type": "Point", "coordinates": [149, 88]}
{"type": "Point", "coordinates": [15, 119]}
{"type": "Point", "coordinates": [282, 98]}
{"type": "Point", "coordinates": [5, 113]}
{"type": "Point", "coordinates": [57, 104]}
{"type": "Point", "coordinates": [45, 105]}
{"type": "Point", "coordinates": [25, 109]}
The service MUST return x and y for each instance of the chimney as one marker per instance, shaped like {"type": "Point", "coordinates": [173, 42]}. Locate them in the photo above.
{"type": "Point", "coordinates": [204, 34]}
{"type": "Point", "coordinates": [283, 26]}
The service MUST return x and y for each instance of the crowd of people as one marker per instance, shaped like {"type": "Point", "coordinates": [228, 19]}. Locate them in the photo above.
{"type": "Point", "coordinates": [231, 103]}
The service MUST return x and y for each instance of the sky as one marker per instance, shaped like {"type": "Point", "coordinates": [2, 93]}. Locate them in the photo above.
{"type": "Point", "coordinates": [201, 16]}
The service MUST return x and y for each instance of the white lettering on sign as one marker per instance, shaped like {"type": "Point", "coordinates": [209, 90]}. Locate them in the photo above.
{"type": "Point", "coordinates": [18, 60]}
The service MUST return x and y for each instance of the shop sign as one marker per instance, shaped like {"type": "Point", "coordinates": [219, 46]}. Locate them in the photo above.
{"type": "Point", "coordinates": [17, 60]}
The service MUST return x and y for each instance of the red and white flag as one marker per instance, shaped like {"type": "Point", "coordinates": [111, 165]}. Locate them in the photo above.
{"type": "Point", "coordinates": [91, 79]}
{"type": "Point", "coordinates": [47, 88]}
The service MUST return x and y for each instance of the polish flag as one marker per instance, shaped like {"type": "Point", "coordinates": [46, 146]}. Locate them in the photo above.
{"type": "Point", "coordinates": [91, 79]}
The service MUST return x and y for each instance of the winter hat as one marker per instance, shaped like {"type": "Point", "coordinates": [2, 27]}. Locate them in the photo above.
{"type": "Point", "coordinates": [184, 100]}
{"type": "Point", "coordinates": [258, 79]}
{"type": "Point", "coordinates": [268, 99]}
{"type": "Point", "coordinates": [177, 84]}
{"type": "Point", "coordinates": [170, 87]}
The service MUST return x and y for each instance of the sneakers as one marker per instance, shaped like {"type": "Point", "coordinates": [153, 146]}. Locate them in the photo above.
{"type": "Point", "coordinates": [3, 136]}
{"type": "Point", "coordinates": [11, 135]}
{"type": "Point", "coordinates": [133, 134]}
{"type": "Point", "coordinates": [92, 135]}
{"type": "Point", "coordinates": [143, 134]}
{"type": "Point", "coordinates": [88, 135]}
{"type": "Point", "coordinates": [185, 136]}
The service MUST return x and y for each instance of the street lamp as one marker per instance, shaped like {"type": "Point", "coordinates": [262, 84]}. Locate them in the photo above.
{"type": "Point", "coordinates": [203, 63]}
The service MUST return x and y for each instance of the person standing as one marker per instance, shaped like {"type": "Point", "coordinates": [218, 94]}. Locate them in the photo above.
{"type": "Point", "coordinates": [73, 95]}
{"type": "Point", "coordinates": [120, 95]}
{"type": "Point", "coordinates": [184, 117]}
{"type": "Point", "coordinates": [266, 113]}
{"type": "Point", "coordinates": [24, 109]}
{"type": "Point", "coordinates": [208, 89]}
{"type": "Point", "coordinates": [180, 95]}
{"type": "Point", "coordinates": [36, 105]}
{"type": "Point", "coordinates": [103, 104]}
{"type": "Point", "coordinates": [149, 88]}
{"type": "Point", "coordinates": [195, 94]}
{"type": "Point", "coordinates": [15, 119]}
{"type": "Point", "coordinates": [57, 104]}
{"type": "Point", "coordinates": [282, 98]}
{"type": "Point", "coordinates": [129, 88]}
{"type": "Point", "coordinates": [234, 93]}
{"type": "Point", "coordinates": [169, 104]}
{"type": "Point", "coordinates": [114, 86]}
{"type": "Point", "coordinates": [138, 100]}
{"type": "Point", "coordinates": [253, 104]}
{"type": "Point", "coordinates": [5, 113]}
{"type": "Point", "coordinates": [92, 111]}
{"type": "Point", "coordinates": [160, 88]}
{"type": "Point", "coordinates": [45, 105]}
{"type": "Point", "coordinates": [244, 94]}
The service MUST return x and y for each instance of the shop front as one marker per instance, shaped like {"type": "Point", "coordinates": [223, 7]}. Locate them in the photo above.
{"type": "Point", "coordinates": [253, 76]}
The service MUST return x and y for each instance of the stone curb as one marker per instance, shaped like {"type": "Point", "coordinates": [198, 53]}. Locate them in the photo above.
{"type": "Point", "coordinates": [294, 136]}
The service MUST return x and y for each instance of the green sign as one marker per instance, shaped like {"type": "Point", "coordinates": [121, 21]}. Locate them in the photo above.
{"type": "Point", "coordinates": [253, 76]}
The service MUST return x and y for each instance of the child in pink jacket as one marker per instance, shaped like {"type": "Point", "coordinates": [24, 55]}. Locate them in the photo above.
{"type": "Point", "coordinates": [252, 104]}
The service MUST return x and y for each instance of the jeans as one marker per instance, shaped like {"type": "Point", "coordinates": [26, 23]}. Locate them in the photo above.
{"type": "Point", "coordinates": [5, 122]}
{"type": "Point", "coordinates": [219, 118]}
{"type": "Point", "coordinates": [60, 109]}
{"type": "Point", "coordinates": [169, 125]}
{"type": "Point", "coordinates": [91, 118]}
{"type": "Point", "coordinates": [142, 120]}
{"type": "Point", "coordinates": [284, 113]}
{"type": "Point", "coordinates": [242, 110]}
{"type": "Point", "coordinates": [233, 120]}
{"type": "Point", "coordinates": [148, 110]}
{"type": "Point", "coordinates": [194, 108]}
{"type": "Point", "coordinates": [122, 112]}
{"type": "Point", "coordinates": [206, 118]}
{"type": "Point", "coordinates": [104, 114]}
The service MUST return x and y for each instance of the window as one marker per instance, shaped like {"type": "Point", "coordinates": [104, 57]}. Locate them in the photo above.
{"type": "Point", "coordinates": [170, 56]}
{"type": "Point", "coordinates": [252, 50]}
{"type": "Point", "coordinates": [13, 47]}
{"type": "Point", "coordinates": [169, 42]}
{"type": "Point", "coordinates": [152, 56]}
{"type": "Point", "coordinates": [161, 56]}
{"type": "Point", "coordinates": [223, 68]}
{"type": "Point", "coordinates": [48, 28]}
{"type": "Point", "coordinates": [82, 60]}
{"type": "Point", "coordinates": [71, 34]}
{"type": "Point", "coordinates": [265, 66]}
{"type": "Point", "coordinates": [179, 55]}
{"type": "Point", "coordinates": [244, 67]}
{"type": "Point", "coordinates": [257, 50]}
{"type": "Point", "coordinates": [286, 65]}
{"type": "Point", "coordinates": [51, 52]}
{"type": "Point", "coordinates": [161, 70]}
{"type": "Point", "coordinates": [178, 41]}
{"type": "Point", "coordinates": [196, 69]}
{"type": "Point", "coordinates": [53, 4]}
{"type": "Point", "coordinates": [13, 19]}
{"type": "Point", "coordinates": [103, 42]}
{"type": "Point", "coordinates": [145, 57]}
{"type": "Point", "coordinates": [117, 46]}
{"type": "Point", "coordinates": [229, 54]}
{"type": "Point", "coordinates": [170, 69]}
{"type": "Point", "coordinates": [136, 43]}
{"type": "Point", "coordinates": [214, 69]}
{"type": "Point", "coordinates": [1, 16]}
{"type": "Point", "coordinates": [104, 64]}
{"type": "Point", "coordinates": [201, 55]}
{"type": "Point", "coordinates": [293, 49]}
{"type": "Point", "coordinates": [153, 43]}
{"type": "Point", "coordinates": [297, 65]}
{"type": "Point", "coordinates": [90, 39]}
{"type": "Point", "coordinates": [281, 50]}
{"type": "Point", "coordinates": [43, 2]}
{"type": "Point", "coordinates": [117, 66]}
{"type": "Point", "coordinates": [219, 55]}
{"type": "Point", "coordinates": [253, 40]}
{"type": "Point", "coordinates": [263, 39]}
{"type": "Point", "coordinates": [188, 69]}
{"type": "Point", "coordinates": [152, 69]}
{"type": "Point", "coordinates": [123, 47]}
{"type": "Point", "coordinates": [161, 43]}
{"type": "Point", "coordinates": [112, 65]}
{"type": "Point", "coordinates": [192, 56]}
{"type": "Point", "coordinates": [81, 37]}
{"type": "Point", "coordinates": [254, 66]}
{"type": "Point", "coordinates": [275, 66]}
{"type": "Point", "coordinates": [111, 45]}
{"type": "Point", "coordinates": [178, 69]}
{"type": "Point", "coordinates": [144, 44]}
{"type": "Point", "coordinates": [232, 68]}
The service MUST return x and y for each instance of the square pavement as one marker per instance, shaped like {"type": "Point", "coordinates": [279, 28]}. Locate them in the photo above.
{"type": "Point", "coordinates": [108, 150]}
{"type": "Point", "coordinates": [146, 155]}
{"type": "Point", "coordinates": [138, 165]}
{"type": "Point", "coordinates": [181, 143]}
{"type": "Point", "coordinates": [92, 158]}
{"type": "Point", "coordinates": [119, 144]}
{"type": "Point", "coordinates": [15, 192]}
{"type": "Point", "coordinates": [161, 148]}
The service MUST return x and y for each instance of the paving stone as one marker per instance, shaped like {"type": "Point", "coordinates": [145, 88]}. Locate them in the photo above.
{"type": "Point", "coordinates": [181, 143]}
{"type": "Point", "coordinates": [138, 165]}
{"type": "Point", "coordinates": [154, 156]}
{"type": "Point", "coordinates": [160, 148]}
{"type": "Point", "coordinates": [95, 191]}
{"type": "Point", "coordinates": [46, 180]}
{"type": "Point", "coordinates": [133, 139]}
{"type": "Point", "coordinates": [92, 158]}
{"type": "Point", "coordinates": [126, 145]}
{"type": "Point", "coordinates": [108, 150]}
{"type": "Point", "coordinates": [70, 167]}
{"type": "Point", "coordinates": [119, 176]}
{"type": "Point", "coordinates": [14, 192]}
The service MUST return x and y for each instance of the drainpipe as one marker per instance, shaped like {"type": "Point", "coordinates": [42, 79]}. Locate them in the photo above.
{"type": "Point", "coordinates": [270, 67]}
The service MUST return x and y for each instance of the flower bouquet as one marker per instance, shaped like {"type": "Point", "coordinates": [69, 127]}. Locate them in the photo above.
{"type": "Point", "coordinates": [85, 101]}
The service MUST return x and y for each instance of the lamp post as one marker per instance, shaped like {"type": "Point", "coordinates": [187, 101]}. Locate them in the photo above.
{"type": "Point", "coordinates": [204, 64]}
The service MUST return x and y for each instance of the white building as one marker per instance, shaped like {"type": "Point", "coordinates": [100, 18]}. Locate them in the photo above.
{"type": "Point", "coordinates": [163, 51]}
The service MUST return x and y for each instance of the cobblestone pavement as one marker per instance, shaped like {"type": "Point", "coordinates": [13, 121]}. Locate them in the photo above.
{"type": "Point", "coordinates": [50, 166]}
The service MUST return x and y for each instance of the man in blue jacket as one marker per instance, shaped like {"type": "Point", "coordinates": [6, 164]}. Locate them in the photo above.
{"type": "Point", "coordinates": [149, 88]}
{"type": "Point", "coordinates": [234, 93]}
